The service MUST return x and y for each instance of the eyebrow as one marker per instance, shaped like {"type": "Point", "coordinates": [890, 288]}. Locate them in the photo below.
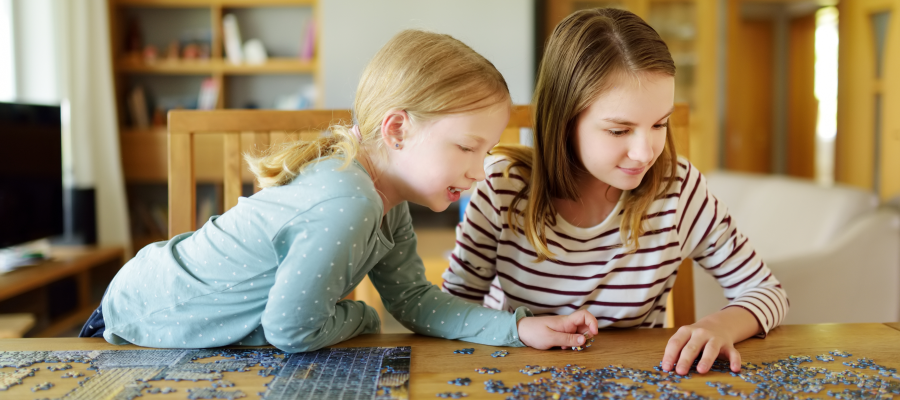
{"type": "Point", "coordinates": [478, 139]}
{"type": "Point", "coordinates": [620, 121]}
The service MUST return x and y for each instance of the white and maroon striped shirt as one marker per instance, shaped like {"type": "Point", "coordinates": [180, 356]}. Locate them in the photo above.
{"type": "Point", "coordinates": [592, 271]}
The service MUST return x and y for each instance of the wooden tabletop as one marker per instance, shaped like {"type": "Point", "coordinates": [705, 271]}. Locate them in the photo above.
{"type": "Point", "coordinates": [433, 362]}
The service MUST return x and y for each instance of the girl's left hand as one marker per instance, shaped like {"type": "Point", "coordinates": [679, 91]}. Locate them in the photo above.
{"type": "Point", "coordinates": [714, 336]}
{"type": "Point", "coordinates": [690, 340]}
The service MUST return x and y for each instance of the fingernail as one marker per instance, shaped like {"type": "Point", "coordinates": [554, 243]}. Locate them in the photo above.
{"type": "Point", "coordinates": [581, 340]}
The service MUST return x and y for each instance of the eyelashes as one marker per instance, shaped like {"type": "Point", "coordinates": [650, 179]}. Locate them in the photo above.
{"type": "Point", "coordinates": [622, 132]}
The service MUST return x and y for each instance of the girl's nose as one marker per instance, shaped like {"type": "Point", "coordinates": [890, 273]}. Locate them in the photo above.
{"type": "Point", "coordinates": [476, 171]}
{"type": "Point", "coordinates": [640, 149]}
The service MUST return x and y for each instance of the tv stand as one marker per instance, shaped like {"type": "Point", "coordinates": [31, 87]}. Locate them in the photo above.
{"type": "Point", "coordinates": [63, 291]}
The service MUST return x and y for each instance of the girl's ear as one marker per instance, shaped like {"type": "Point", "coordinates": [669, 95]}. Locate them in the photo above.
{"type": "Point", "coordinates": [394, 127]}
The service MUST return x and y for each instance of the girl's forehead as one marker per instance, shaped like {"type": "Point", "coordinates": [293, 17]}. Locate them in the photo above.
{"type": "Point", "coordinates": [635, 95]}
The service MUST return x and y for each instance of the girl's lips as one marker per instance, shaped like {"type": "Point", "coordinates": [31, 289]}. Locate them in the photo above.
{"type": "Point", "coordinates": [453, 195]}
{"type": "Point", "coordinates": [632, 171]}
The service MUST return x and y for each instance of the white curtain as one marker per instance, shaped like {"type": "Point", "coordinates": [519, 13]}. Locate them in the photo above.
{"type": "Point", "coordinates": [85, 74]}
{"type": "Point", "coordinates": [7, 63]}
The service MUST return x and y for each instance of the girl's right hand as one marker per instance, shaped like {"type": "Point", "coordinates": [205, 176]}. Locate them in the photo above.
{"type": "Point", "coordinates": [543, 333]}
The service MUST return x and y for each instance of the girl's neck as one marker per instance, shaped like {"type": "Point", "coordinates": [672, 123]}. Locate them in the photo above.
{"type": "Point", "coordinates": [597, 200]}
{"type": "Point", "coordinates": [381, 177]}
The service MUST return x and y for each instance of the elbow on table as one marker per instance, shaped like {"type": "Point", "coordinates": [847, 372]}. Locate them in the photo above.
{"type": "Point", "coordinates": [299, 342]}
{"type": "Point", "coordinates": [297, 339]}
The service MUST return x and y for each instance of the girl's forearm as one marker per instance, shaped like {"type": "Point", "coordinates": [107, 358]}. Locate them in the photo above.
{"type": "Point", "coordinates": [740, 323]}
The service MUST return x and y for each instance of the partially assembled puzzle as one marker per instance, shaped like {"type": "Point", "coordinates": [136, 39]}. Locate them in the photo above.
{"type": "Point", "coordinates": [382, 373]}
{"type": "Point", "coordinates": [378, 373]}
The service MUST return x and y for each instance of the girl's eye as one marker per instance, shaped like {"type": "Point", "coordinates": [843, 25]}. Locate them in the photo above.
{"type": "Point", "coordinates": [617, 133]}
{"type": "Point", "coordinates": [662, 125]}
{"type": "Point", "coordinates": [466, 149]}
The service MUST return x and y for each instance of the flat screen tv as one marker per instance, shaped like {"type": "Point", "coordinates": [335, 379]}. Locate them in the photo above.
{"type": "Point", "coordinates": [31, 173]}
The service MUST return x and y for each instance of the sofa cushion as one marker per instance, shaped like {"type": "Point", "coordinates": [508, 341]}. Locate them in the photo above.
{"type": "Point", "coordinates": [783, 216]}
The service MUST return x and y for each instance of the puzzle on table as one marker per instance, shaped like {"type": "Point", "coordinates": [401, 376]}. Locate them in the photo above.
{"type": "Point", "coordinates": [378, 373]}
{"type": "Point", "coordinates": [783, 379]}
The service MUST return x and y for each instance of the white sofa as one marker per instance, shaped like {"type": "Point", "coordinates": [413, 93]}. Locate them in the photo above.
{"type": "Point", "coordinates": [834, 249]}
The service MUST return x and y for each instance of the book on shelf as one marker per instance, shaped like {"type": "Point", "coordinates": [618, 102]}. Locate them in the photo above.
{"type": "Point", "coordinates": [160, 214]}
{"type": "Point", "coordinates": [150, 221]}
{"type": "Point", "coordinates": [137, 108]}
{"type": "Point", "coordinates": [205, 210]}
{"type": "Point", "coordinates": [232, 36]}
{"type": "Point", "coordinates": [209, 94]}
{"type": "Point", "coordinates": [308, 46]}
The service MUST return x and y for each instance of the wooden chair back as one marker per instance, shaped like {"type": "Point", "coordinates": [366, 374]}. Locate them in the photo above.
{"type": "Point", "coordinates": [255, 128]}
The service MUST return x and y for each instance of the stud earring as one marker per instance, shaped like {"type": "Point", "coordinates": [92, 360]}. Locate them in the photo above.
{"type": "Point", "coordinates": [397, 145]}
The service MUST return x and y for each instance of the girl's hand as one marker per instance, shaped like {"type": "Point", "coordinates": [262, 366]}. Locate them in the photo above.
{"type": "Point", "coordinates": [686, 344]}
{"type": "Point", "coordinates": [714, 336]}
{"type": "Point", "coordinates": [543, 333]}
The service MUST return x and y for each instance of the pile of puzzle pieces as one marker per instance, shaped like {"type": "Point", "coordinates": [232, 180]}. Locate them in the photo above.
{"type": "Point", "coordinates": [782, 379]}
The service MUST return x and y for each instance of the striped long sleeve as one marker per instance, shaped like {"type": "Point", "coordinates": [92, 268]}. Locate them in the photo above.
{"type": "Point", "coordinates": [495, 265]}
{"type": "Point", "coordinates": [710, 237]}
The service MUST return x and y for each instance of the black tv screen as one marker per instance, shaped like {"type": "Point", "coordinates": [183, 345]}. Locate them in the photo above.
{"type": "Point", "coordinates": [31, 173]}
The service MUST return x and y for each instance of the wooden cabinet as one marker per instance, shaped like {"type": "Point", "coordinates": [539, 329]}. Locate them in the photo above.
{"type": "Point", "coordinates": [62, 292]}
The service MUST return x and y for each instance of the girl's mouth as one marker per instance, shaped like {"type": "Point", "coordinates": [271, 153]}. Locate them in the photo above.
{"type": "Point", "coordinates": [632, 171]}
{"type": "Point", "coordinates": [453, 193]}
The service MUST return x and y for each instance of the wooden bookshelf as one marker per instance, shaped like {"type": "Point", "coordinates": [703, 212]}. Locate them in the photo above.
{"type": "Point", "coordinates": [163, 21]}
{"type": "Point", "coordinates": [215, 3]}
{"type": "Point", "coordinates": [217, 66]}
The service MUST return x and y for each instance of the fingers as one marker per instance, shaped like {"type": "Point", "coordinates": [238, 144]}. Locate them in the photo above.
{"type": "Point", "coordinates": [689, 353]}
{"type": "Point", "coordinates": [710, 352]}
{"type": "Point", "coordinates": [571, 339]}
{"type": "Point", "coordinates": [586, 321]}
{"type": "Point", "coordinates": [673, 348]}
{"type": "Point", "coordinates": [580, 321]}
{"type": "Point", "coordinates": [734, 357]}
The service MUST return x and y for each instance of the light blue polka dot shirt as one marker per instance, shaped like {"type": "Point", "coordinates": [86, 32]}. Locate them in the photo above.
{"type": "Point", "coordinates": [273, 270]}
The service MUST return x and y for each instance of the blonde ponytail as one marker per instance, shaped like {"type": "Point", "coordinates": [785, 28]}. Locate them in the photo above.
{"type": "Point", "coordinates": [280, 163]}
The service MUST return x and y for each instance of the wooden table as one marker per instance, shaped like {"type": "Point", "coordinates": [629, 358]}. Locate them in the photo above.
{"type": "Point", "coordinates": [63, 291]}
{"type": "Point", "coordinates": [433, 362]}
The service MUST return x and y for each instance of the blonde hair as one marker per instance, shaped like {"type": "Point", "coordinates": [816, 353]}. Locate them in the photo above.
{"type": "Point", "coordinates": [426, 74]}
{"type": "Point", "coordinates": [585, 51]}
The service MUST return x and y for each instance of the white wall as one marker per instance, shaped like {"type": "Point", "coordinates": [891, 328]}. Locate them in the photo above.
{"type": "Point", "coordinates": [353, 31]}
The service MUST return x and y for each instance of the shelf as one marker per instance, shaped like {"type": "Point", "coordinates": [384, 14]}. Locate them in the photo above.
{"type": "Point", "coordinates": [217, 66]}
{"type": "Point", "coordinates": [220, 3]}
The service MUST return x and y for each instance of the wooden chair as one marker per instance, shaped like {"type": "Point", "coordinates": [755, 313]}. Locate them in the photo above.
{"type": "Point", "coordinates": [257, 128]}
